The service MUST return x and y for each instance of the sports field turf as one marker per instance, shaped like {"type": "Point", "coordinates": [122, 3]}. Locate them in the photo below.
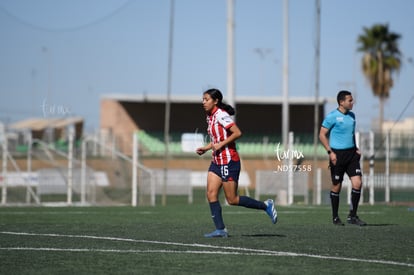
{"type": "Point", "coordinates": [169, 240]}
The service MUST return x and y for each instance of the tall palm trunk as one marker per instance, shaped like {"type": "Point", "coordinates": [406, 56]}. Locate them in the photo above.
{"type": "Point", "coordinates": [379, 89]}
{"type": "Point", "coordinates": [381, 114]}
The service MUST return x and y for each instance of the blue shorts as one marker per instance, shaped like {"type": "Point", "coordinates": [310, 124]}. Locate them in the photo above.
{"type": "Point", "coordinates": [227, 172]}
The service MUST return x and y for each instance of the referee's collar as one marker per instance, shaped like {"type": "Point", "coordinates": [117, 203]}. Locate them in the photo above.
{"type": "Point", "coordinates": [346, 112]}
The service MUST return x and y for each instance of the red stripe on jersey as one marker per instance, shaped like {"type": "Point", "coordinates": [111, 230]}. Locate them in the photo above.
{"type": "Point", "coordinates": [218, 124]}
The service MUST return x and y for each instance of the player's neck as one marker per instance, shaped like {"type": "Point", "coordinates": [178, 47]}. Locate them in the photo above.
{"type": "Point", "coordinates": [215, 108]}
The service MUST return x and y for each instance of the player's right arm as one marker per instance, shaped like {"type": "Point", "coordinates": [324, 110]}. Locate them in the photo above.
{"type": "Point", "coordinates": [202, 150]}
{"type": "Point", "coordinates": [323, 137]}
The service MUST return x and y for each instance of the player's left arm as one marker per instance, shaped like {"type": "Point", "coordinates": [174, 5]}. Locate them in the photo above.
{"type": "Point", "coordinates": [353, 136]}
{"type": "Point", "coordinates": [356, 146]}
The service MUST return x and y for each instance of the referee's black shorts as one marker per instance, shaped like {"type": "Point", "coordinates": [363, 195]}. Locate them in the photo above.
{"type": "Point", "coordinates": [347, 161]}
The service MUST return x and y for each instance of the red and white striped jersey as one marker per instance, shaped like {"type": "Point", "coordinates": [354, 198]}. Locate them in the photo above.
{"type": "Point", "coordinates": [218, 124]}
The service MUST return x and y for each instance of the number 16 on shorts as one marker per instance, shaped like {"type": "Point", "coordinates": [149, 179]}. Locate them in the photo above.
{"type": "Point", "coordinates": [224, 171]}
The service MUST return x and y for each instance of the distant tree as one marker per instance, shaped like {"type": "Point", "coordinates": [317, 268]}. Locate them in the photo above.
{"type": "Point", "coordinates": [381, 59]}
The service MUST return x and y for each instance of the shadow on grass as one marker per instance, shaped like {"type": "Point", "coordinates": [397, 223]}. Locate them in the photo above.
{"type": "Point", "coordinates": [264, 235]}
{"type": "Point", "coordinates": [382, 224]}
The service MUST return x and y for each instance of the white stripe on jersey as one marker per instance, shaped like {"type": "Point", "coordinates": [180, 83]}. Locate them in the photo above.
{"type": "Point", "coordinates": [217, 123]}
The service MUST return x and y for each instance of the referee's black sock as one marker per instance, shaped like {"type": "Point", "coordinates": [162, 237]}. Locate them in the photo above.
{"type": "Point", "coordinates": [335, 203]}
{"type": "Point", "coordinates": [355, 196]}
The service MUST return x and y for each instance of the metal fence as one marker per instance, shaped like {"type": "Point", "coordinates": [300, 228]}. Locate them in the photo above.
{"type": "Point", "coordinates": [91, 171]}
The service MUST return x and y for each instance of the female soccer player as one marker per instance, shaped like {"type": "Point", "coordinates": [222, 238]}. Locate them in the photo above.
{"type": "Point", "coordinates": [224, 169]}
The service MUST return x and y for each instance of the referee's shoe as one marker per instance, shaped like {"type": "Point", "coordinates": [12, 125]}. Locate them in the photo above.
{"type": "Point", "coordinates": [355, 220]}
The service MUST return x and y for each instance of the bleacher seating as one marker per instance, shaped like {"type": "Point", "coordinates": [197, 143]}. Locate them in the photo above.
{"type": "Point", "coordinates": [153, 144]}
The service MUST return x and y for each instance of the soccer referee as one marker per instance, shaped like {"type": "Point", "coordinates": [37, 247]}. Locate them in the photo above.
{"type": "Point", "coordinates": [337, 135]}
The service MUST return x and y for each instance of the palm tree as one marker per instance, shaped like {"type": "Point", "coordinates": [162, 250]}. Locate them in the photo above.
{"type": "Point", "coordinates": [381, 59]}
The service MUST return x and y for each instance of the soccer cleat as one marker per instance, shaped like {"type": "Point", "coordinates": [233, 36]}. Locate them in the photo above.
{"type": "Point", "coordinates": [271, 210]}
{"type": "Point", "coordinates": [337, 221]}
{"type": "Point", "coordinates": [355, 220]}
{"type": "Point", "coordinates": [218, 233]}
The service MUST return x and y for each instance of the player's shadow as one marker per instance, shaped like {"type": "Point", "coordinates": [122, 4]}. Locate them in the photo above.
{"type": "Point", "coordinates": [381, 224]}
{"type": "Point", "coordinates": [264, 235]}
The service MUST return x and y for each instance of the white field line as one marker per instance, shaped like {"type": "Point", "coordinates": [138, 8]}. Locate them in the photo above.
{"type": "Point", "coordinates": [233, 250]}
{"type": "Point", "coordinates": [228, 212]}
{"type": "Point", "coordinates": [66, 212]}
{"type": "Point", "coordinates": [52, 249]}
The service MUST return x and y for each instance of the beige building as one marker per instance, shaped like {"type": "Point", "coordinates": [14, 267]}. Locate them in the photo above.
{"type": "Point", "coordinates": [121, 115]}
{"type": "Point", "coordinates": [401, 127]}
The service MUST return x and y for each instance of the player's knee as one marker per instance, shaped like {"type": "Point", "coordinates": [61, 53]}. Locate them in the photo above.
{"type": "Point", "coordinates": [336, 183]}
{"type": "Point", "coordinates": [336, 187]}
{"type": "Point", "coordinates": [356, 182]}
{"type": "Point", "coordinates": [357, 185]}
{"type": "Point", "coordinates": [211, 195]}
{"type": "Point", "coordinates": [232, 200]}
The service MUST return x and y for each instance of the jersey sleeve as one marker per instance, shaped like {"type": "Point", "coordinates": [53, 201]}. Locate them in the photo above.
{"type": "Point", "coordinates": [328, 122]}
{"type": "Point", "coordinates": [225, 119]}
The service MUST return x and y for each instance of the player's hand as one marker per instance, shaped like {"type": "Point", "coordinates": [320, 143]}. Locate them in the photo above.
{"type": "Point", "coordinates": [200, 151]}
{"type": "Point", "coordinates": [332, 157]}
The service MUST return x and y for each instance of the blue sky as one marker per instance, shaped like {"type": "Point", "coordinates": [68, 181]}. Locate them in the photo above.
{"type": "Point", "coordinates": [67, 54]}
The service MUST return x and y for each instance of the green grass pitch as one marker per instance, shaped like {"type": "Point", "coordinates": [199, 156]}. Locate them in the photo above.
{"type": "Point", "coordinates": [169, 240]}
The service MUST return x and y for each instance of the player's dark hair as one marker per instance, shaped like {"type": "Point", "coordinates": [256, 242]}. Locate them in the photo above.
{"type": "Point", "coordinates": [342, 95]}
{"type": "Point", "coordinates": [216, 94]}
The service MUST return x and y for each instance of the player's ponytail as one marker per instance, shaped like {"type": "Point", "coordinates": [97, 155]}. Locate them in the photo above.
{"type": "Point", "coordinates": [216, 94]}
